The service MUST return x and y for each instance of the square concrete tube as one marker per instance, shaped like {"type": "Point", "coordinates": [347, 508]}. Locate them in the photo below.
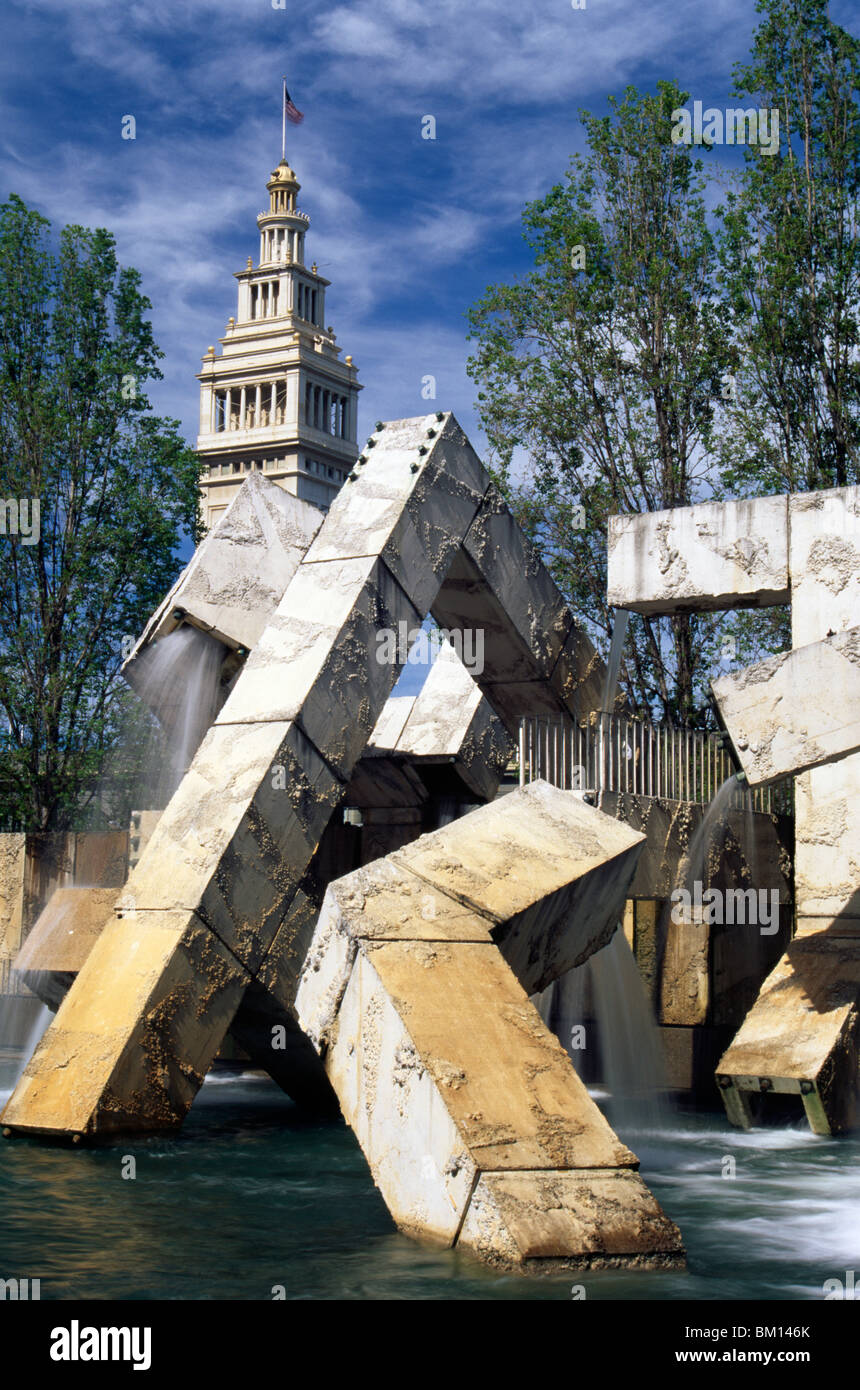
{"type": "Point", "coordinates": [228, 854]}
{"type": "Point", "coordinates": [450, 721]}
{"type": "Point", "coordinates": [801, 1035]}
{"type": "Point", "coordinates": [825, 597]}
{"type": "Point", "coordinates": [66, 929]}
{"type": "Point", "coordinates": [477, 1129]}
{"type": "Point", "coordinates": [239, 571]}
{"type": "Point", "coordinates": [794, 711]}
{"type": "Point", "coordinates": [711, 556]}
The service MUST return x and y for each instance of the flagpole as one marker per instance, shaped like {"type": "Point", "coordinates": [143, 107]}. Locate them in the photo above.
{"type": "Point", "coordinates": [284, 122]}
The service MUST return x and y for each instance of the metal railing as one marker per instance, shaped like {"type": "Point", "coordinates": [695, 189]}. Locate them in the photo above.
{"type": "Point", "coordinates": [619, 754]}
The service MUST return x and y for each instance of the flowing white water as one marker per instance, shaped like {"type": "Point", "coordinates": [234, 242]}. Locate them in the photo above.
{"type": "Point", "coordinates": [178, 678]}
{"type": "Point", "coordinates": [709, 834]}
{"type": "Point", "coordinates": [627, 1035]}
{"type": "Point", "coordinates": [601, 1014]}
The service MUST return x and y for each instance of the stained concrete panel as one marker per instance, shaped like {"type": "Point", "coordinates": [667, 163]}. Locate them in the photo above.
{"type": "Point", "coordinates": [533, 860]}
{"type": "Point", "coordinates": [569, 1220]}
{"type": "Point", "coordinates": [825, 598]}
{"type": "Point", "coordinates": [776, 717]}
{"type": "Point", "coordinates": [13, 854]}
{"type": "Point", "coordinates": [801, 1036]}
{"type": "Point", "coordinates": [130, 1048]}
{"type": "Point", "coordinates": [714, 555]}
{"type": "Point", "coordinates": [446, 1071]}
{"type": "Point", "coordinates": [240, 570]}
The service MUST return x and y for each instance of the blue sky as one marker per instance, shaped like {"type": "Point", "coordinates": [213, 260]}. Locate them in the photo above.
{"type": "Point", "coordinates": [409, 231]}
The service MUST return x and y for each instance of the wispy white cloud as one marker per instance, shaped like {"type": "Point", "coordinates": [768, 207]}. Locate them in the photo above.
{"type": "Point", "coordinates": [407, 230]}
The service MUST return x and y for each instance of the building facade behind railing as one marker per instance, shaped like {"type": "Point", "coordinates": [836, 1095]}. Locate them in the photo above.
{"type": "Point", "coordinates": [619, 754]}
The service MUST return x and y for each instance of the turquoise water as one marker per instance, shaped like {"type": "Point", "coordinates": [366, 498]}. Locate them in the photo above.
{"type": "Point", "coordinates": [250, 1195]}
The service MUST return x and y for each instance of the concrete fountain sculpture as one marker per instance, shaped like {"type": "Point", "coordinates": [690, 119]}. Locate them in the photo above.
{"type": "Point", "coordinates": [409, 988]}
{"type": "Point", "coordinates": [796, 714]}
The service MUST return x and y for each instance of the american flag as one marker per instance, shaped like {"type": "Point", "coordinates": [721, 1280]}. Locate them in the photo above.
{"type": "Point", "coordinates": [291, 111]}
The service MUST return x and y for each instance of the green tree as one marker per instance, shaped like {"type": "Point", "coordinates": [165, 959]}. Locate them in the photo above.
{"type": "Point", "coordinates": [790, 260]}
{"type": "Point", "coordinates": [115, 489]}
{"type": "Point", "coordinates": [605, 366]}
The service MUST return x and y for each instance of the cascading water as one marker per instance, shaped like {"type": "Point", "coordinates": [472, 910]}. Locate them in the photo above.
{"type": "Point", "coordinates": [601, 1014]}
{"type": "Point", "coordinates": [627, 1035]}
{"type": "Point", "coordinates": [697, 864]}
{"type": "Point", "coordinates": [178, 678]}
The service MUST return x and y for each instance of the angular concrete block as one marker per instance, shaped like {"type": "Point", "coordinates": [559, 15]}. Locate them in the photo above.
{"type": "Point", "coordinates": [317, 661]}
{"type": "Point", "coordinates": [414, 500]}
{"type": "Point", "coordinates": [569, 1220]}
{"type": "Point", "coordinates": [711, 556]}
{"type": "Point", "coordinates": [136, 1034]}
{"type": "Point", "coordinates": [446, 1071]}
{"type": "Point", "coordinates": [824, 562]}
{"type": "Point", "coordinates": [827, 840]}
{"type": "Point", "coordinates": [236, 839]}
{"type": "Point", "coordinates": [537, 659]}
{"type": "Point", "coordinates": [776, 717]}
{"type": "Point", "coordinates": [238, 573]}
{"type": "Point", "coordinates": [801, 1036]}
{"type": "Point", "coordinates": [238, 835]}
{"type": "Point", "coordinates": [684, 992]}
{"type": "Point", "coordinates": [549, 871]}
{"type": "Point", "coordinates": [450, 720]}
{"type": "Point", "coordinates": [506, 579]}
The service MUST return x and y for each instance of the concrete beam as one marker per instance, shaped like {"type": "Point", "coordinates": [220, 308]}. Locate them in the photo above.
{"type": "Point", "coordinates": [775, 714]}
{"type": "Point", "coordinates": [801, 1035]}
{"type": "Point", "coordinates": [476, 1128]}
{"type": "Point", "coordinates": [712, 556]}
{"type": "Point", "coordinates": [238, 573]}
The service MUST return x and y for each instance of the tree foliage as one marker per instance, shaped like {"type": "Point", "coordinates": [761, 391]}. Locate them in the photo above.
{"type": "Point", "coordinates": [116, 488]}
{"type": "Point", "coordinates": [605, 365]}
{"type": "Point", "coordinates": [660, 353]}
{"type": "Point", "coordinates": [790, 261]}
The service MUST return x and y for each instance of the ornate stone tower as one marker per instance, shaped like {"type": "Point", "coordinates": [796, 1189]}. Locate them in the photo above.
{"type": "Point", "coordinates": [278, 398]}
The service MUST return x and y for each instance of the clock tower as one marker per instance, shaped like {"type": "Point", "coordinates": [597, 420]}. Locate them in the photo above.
{"type": "Point", "coordinates": [277, 398]}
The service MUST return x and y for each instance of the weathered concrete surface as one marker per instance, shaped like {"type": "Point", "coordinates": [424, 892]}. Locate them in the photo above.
{"type": "Point", "coordinates": [238, 573]}
{"type": "Point", "coordinates": [714, 555]}
{"type": "Point", "coordinates": [827, 841]}
{"type": "Point", "coordinates": [13, 851]}
{"type": "Point", "coordinates": [538, 1219]}
{"type": "Point", "coordinates": [450, 719]}
{"type": "Point", "coordinates": [537, 658]}
{"type": "Point", "coordinates": [445, 1070]}
{"type": "Point", "coordinates": [129, 1047]}
{"type": "Point", "coordinates": [801, 1036]}
{"type": "Point", "coordinates": [521, 852]}
{"type": "Point", "coordinates": [775, 714]}
{"type": "Point", "coordinates": [825, 594]}
{"type": "Point", "coordinates": [66, 930]}
{"type": "Point", "coordinates": [227, 856]}
{"type": "Point", "coordinates": [824, 562]}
